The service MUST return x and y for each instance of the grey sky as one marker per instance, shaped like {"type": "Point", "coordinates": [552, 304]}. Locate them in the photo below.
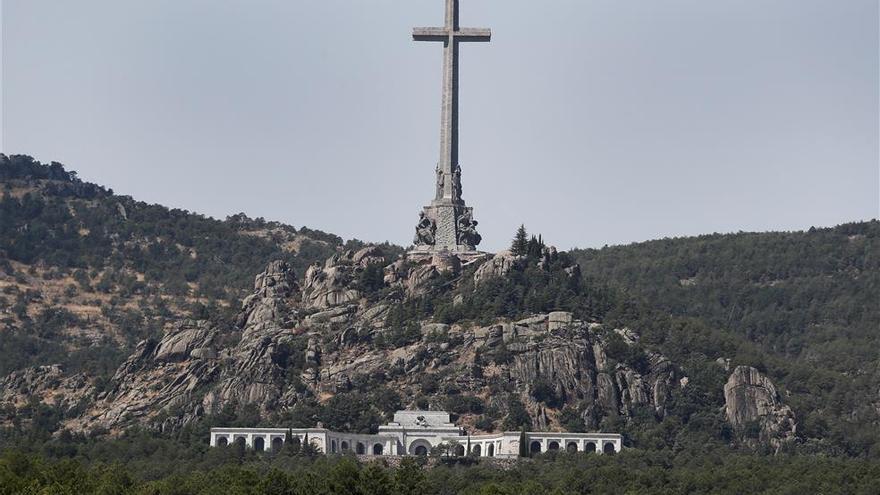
{"type": "Point", "coordinates": [591, 121]}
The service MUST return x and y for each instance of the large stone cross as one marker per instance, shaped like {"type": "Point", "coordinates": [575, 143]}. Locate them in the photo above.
{"type": "Point", "coordinates": [448, 185]}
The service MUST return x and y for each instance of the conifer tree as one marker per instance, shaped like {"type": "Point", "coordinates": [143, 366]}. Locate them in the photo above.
{"type": "Point", "coordinates": [520, 244]}
{"type": "Point", "coordinates": [291, 443]}
{"type": "Point", "coordinates": [523, 447]}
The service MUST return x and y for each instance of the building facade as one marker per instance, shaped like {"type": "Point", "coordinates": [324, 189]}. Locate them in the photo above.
{"type": "Point", "coordinates": [417, 433]}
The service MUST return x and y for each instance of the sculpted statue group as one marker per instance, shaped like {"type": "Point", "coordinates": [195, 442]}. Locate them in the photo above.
{"type": "Point", "coordinates": [467, 230]}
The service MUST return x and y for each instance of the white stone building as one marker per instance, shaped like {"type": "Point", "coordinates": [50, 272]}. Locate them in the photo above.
{"type": "Point", "coordinates": [416, 433]}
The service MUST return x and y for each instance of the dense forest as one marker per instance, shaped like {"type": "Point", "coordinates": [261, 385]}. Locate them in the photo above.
{"type": "Point", "coordinates": [802, 306]}
{"type": "Point", "coordinates": [90, 273]}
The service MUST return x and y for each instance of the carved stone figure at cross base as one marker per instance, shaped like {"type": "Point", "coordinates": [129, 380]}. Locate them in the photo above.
{"type": "Point", "coordinates": [467, 231]}
{"type": "Point", "coordinates": [425, 231]}
{"type": "Point", "coordinates": [447, 224]}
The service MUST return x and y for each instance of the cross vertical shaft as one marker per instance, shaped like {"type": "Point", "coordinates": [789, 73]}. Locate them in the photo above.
{"type": "Point", "coordinates": [450, 35]}
{"type": "Point", "coordinates": [447, 225]}
{"type": "Point", "coordinates": [449, 109]}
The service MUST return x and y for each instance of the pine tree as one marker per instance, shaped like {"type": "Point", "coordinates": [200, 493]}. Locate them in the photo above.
{"type": "Point", "coordinates": [520, 245]}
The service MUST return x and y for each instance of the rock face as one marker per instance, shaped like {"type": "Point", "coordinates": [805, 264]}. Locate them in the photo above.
{"type": "Point", "coordinates": [331, 284]}
{"type": "Point", "coordinates": [560, 319]}
{"type": "Point", "coordinates": [569, 361]}
{"type": "Point", "coordinates": [271, 289]}
{"type": "Point", "coordinates": [157, 376]}
{"type": "Point", "coordinates": [755, 410]}
{"type": "Point", "coordinates": [188, 339]}
{"type": "Point", "coordinates": [253, 369]}
{"type": "Point", "coordinates": [569, 355]}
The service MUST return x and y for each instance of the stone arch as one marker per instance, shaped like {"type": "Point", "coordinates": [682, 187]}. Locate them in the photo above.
{"type": "Point", "coordinates": [572, 447]}
{"type": "Point", "coordinates": [535, 447]}
{"type": "Point", "coordinates": [378, 449]}
{"type": "Point", "coordinates": [345, 446]}
{"type": "Point", "coordinates": [591, 447]}
{"type": "Point", "coordinates": [608, 448]}
{"type": "Point", "coordinates": [259, 444]}
{"type": "Point", "coordinates": [420, 448]}
{"type": "Point", "coordinates": [554, 445]}
{"type": "Point", "coordinates": [459, 450]}
{"type": "Point", "coordinates": [361, 449]}
{"type": "Point", "coordinates": [490, 451]}
{"type": "Point", "coordinates": [332, 446]}
{"type": "Point", "coordinates": [277, 444]}
{"type": "Point", "coordinates": [222, 441]}
{"type": "Point", "coordinates": [477, 450]}
{"type": "Point", "coordinates": [241, 441]}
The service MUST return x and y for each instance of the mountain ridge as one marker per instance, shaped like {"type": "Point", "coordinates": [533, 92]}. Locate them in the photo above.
{"type": "Point", "coordinates": [634, 302]}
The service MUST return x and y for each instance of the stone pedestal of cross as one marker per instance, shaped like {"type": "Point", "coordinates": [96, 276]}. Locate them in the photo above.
{"type": "Point", "coordinates": [447, 224]}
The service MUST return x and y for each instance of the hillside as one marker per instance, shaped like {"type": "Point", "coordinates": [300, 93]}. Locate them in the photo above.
{"type": "Point", "coordinates": [808, 302]}
{"type": "Point", "coordinates": [86, 274]}
{"type": "Point", "coordinates": [119, 316]}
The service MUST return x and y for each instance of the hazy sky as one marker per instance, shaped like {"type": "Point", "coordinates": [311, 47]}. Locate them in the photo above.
{"type": "Point", "coordinates": [591, 121]}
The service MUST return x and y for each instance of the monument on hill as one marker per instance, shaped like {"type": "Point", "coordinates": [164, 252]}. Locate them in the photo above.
{"type": "Point", "coordinates": [447, 224]}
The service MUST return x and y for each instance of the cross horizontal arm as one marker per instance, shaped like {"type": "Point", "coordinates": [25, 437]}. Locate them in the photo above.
{"type": "Point", "coordinates": [430, 34]}
{"type": "Point", "coordinates": [442, 34]}
{"type": "Point", "coordinates": [473, 34]}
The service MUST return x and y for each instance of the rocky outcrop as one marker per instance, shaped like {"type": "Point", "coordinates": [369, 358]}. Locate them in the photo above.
{"type": "Point", "coordinates": [500, 265]}
{"type": "Point", "coordinates": [331, 284]}
{"type": "Point", "coordinates": [253, 372]}
{"type": "Point", "coordinates": [187, 339]}
{"type": "Point", "coordinates": [271, 289]}
{"type": "Point", "coordinates": [291, 343]}
{"type": "Point", "coordinates": [568, 355]}
{"type": "Point", "coordinates": [415, 275]}
{"type": "Point", "coordinates": [559, 319]}
{"type": "Point", "coordinates": [188, 371]}
{"type": "Point", "coordinates": [418, 278]}
{"type": "Point", "coordinates": [156, 377]}
{"type": "Point", "coordinates": [370, 255]}
{"type": "Point", "coordinates": [755, 410]}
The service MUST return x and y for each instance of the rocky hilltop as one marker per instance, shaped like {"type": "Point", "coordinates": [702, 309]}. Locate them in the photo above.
{"type": "Point", "coordinates": [310, 339]}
